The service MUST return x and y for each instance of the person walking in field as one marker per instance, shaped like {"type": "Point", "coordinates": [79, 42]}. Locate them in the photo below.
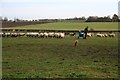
{"type": "Point", "coordinates": [85, 32]}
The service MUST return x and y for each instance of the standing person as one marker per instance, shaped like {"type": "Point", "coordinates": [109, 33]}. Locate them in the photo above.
{"type": "Point", "coordinates": [85, 31]}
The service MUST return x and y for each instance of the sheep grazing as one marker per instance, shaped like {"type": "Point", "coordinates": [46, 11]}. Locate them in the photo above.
{"type": "Point", "coordinates": [105, 35]}
{"type": "Point", "coordinates": [56, 35]}
{"type": "Point", "coordinates": [21, 34]}
{"type": "Point", "coordinates": [59, 35]}
{"type": "Point", "coordinates": [41, 35]}
{"type": "Point", "coordinates": [28, 34]}
{"type": "Point", "coordinates": [62, 35]}
{"type": "Point", "coordinates": [45, 35]}
{"type": "Point", "coordinates": [3, 34]}
{"type": "Point", "coordinates": [50, 34]}
{"type": "Point", "coordinates": [31, 34]}
{"type": "Point", "coordinates": [12, 34]}
{"type": "Point", "coordinates": [35, 34]}
{"type": "Point", "coordinates": [99, 35]}
{"type": "Point", "coordinates": [9, 34]}
{"type": "Point", "coordinates": [89, 34]}
{"type": "Point", "coordinates": [6, 35]}
{"type": "Point", "coordinates": [72, 34]}
{"type": "Point", "coordinates": [111, 35]}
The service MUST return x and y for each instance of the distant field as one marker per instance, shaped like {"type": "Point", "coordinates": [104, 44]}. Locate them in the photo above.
{"type": "Point", "coordinates": [25, 57]}
{"type": "Point", "coordinates": [72, 26]}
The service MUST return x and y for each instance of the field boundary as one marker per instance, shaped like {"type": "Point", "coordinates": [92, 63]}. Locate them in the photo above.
{"type": "Point", "coordinates": [22, 23]}
{"type": "Point", "coordinates": [66, 31]}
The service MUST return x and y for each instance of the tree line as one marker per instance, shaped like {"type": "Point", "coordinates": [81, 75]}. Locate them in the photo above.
{"type": "Point", "coordinates": [114, 18]}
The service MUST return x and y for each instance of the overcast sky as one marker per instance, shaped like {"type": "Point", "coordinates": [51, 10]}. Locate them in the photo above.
{"type": "Point", "coordinates": [37, 9]}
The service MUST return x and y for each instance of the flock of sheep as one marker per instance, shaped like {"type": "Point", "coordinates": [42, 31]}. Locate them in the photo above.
{"type": "Point", "coordinates": [34, 34]}
{"type": "Point", "coordinates": [101, 34]}
{"type": "Point", "coordinates": [51, 34]}
{"type": "Point", "coordinates": [46, 35]}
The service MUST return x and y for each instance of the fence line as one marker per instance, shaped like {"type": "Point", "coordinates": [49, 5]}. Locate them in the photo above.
{"type": "Point", "coordinates": [66, 31]}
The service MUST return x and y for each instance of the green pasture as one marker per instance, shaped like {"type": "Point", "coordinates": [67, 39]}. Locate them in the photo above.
{"type": "Point", "coordinates": [75, 25]}
{"type": "Point", "coordinates": [94, 57]}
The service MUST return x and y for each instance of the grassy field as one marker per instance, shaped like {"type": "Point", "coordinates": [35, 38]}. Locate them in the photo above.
{"type": "Point", "coordinates": [75, 25]}
{"type": "Point", "coordinates": [57, 58]}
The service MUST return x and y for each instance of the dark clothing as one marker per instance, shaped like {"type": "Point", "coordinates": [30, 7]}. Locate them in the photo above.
{"type": "Point", "coordinates": [85, 36]}
{"type": "Point", "coordinates": [85, 31]}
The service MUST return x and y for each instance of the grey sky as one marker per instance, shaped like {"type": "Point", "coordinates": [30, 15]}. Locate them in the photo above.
{"type": "Point", "coordinates": [36, 9]}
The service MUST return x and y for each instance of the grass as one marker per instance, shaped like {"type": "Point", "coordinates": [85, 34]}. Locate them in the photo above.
{"type": "Point", "coordinates": [25, 57]}
{"type": "Point", "coordinates": [72, 26]}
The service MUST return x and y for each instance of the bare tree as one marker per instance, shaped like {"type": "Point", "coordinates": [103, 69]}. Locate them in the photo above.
{"type": "Point", "coordinates": [115, 18]}
{"type": "Point", "coordinates": [5, 19]}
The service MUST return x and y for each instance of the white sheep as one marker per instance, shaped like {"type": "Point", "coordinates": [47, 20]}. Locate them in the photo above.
{"type": "Point", "coordinates": [7, 34]}
{"type": "Point", "coordinates": [62, 35]}
{"type": "Point", "coordinates": [99, 35]}
{"type": "Point", "coordinates": [72, 34]}
{"type": "Point", "coordinates": [32, 34]}
{"type": "Point", "coordinates": [1, 34]}
{"type": "Point", "coordinates": [111, 35]}
{"type": "Point", "coordinates": [105, 35]}
{"type": "Point", "coordinates": [35, 34]}
{"type": "Point", "coordinates": [51, 34]}
{"type": "Point", "coordinates": [28, 34]}
{"type": "Point", "coordinates": [21, 34]}
{"type": "Point", "coordinates": [45, 35]}
{"type": "Point", "coordinates": [12, 34]}
{"type": "Point", "coordinates": [89, 34]}
{"type": "Point", "coordinates": [41, 35]}
{"type": "Point", "coordinates": [56, 35]}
